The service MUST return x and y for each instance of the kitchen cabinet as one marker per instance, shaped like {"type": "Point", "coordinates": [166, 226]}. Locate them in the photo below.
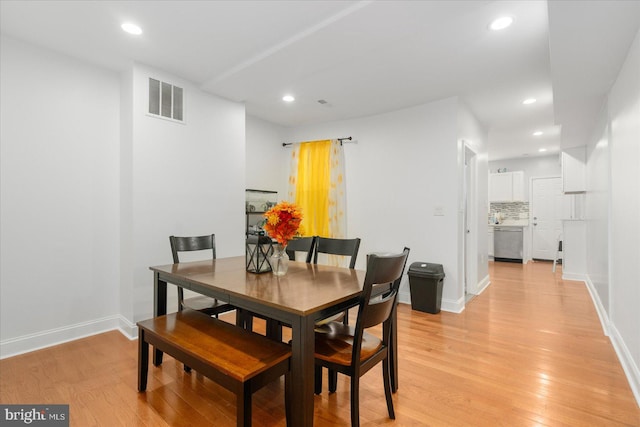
{"type": "Point", "coordinates": [573, 170]}
{"type": "Point", "coordinates": [506, 186]}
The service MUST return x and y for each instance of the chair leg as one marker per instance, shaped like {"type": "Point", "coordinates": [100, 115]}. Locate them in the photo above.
{"type": "Point", "coordinates": [333, 380]}
{"type": "Point", "coordinates": [355, 401]}
{"type": "Point", "coordinates": [386, 377]}
{"type": "Point", "coordinates": [187, 368]}
{"type": "Point", "coordinates": [317, 380]}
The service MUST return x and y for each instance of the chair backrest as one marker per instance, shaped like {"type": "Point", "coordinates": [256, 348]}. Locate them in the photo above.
{"type": "Point", "coordinates": [188, 244]}
{"type": "Point", "coordinates": [381, 270]}
{"type": "Point", "coordinates": [345, 247]}
{"type": "Point", "coordinates": [301, 244]}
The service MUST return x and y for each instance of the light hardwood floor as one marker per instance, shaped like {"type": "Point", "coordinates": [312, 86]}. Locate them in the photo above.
{"type": "Point", "coordinates": [529, 351]}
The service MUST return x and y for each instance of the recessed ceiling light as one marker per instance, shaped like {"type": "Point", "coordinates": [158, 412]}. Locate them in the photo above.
{"type": "Point", "coordinates": [542, 150]}
{"type": "Point", "coordinates": [501, 23]}
{"type": "Point", "coordinates": [538, 133]}
{"type": "Point", "coordinates": [288, 98]}
{"type": "Point", "coordinates": [529, 101]}
{"type": "Point", "coordinates": [131, 28]}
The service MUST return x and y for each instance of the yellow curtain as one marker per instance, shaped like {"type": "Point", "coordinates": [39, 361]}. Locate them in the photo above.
{"type": "Point", "coordinates": [312, 184]}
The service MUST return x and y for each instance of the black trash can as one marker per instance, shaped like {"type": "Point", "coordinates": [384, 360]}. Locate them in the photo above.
{"type": "Point", "coordinates": [425, 282]}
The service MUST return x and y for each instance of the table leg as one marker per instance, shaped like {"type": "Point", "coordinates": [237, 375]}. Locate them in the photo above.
{"type": "Point", "coordinates": [159, 308]}
{"type": "Point", "coordinates": [302, 364]}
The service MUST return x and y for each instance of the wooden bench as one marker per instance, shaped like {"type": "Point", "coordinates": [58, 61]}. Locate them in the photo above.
{"type": "Point", "coordinates": [237, 359]}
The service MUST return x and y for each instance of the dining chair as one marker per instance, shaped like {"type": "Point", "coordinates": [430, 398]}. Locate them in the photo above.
{"type": "Point", "coordinates": [204, 304]}
{"type": "Point", "coordinates": [353, 351]}
{"type": "Point", "coordinates": [344, 247]}
{"type": "Point", "coordinates": [393, 348]}
{"type": "Point", "coordinates": [301, 244]}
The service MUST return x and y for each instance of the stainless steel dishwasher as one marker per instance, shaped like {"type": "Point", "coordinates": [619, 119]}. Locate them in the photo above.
{"type": "Point", "coordinates": [507, 243]}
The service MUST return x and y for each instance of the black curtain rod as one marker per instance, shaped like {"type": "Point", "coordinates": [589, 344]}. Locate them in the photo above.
{"type": "Point", "coordinates": [284, 144]}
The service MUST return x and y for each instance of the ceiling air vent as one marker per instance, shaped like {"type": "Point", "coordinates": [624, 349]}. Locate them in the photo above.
{"type": "Point", "coordinates": [165, 100]}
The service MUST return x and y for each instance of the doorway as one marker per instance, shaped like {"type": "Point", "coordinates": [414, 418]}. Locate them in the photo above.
{"type": "Point", "coordinates": [546, 216]}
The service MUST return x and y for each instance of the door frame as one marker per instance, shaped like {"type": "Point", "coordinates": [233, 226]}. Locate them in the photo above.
{"type": "Point", "coordinates": [470, 222]}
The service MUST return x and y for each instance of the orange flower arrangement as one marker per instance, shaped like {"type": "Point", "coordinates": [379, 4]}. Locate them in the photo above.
{"type": "Point", "coordinates": [283, 222]}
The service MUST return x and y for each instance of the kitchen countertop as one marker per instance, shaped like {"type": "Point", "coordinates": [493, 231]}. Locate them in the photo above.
{"type": "Point", "coordinates": [512, 223]}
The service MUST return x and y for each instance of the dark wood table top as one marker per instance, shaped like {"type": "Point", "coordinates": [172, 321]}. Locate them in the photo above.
{"type": "Point", "coordinates": [305, 289]}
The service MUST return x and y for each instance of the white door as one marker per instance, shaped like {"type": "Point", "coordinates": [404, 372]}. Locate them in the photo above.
{"type": "Point", "coordinates": [546, 216]}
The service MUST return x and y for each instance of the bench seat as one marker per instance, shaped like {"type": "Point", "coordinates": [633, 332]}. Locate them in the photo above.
{"type": "Point", "coordinates": [237, 359]}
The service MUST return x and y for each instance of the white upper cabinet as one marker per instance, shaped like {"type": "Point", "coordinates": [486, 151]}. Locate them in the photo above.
{"type": "Point", "coordinates": [518, 186]}
{"type": "Point", "coordinates": [574, 179]}
{"type": "Point", "coordinates": [506, 187]}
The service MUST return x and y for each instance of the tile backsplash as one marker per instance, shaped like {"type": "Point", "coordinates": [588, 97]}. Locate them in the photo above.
{"type": "Point", "coordinates": [509, 210]}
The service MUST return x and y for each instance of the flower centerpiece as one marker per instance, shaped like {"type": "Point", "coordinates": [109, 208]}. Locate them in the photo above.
{"type": "Point", "coordinates": [283, 223]}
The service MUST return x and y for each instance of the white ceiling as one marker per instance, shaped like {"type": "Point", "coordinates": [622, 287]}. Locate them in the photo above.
{"type": "Point", "coordinates": [364, 57]}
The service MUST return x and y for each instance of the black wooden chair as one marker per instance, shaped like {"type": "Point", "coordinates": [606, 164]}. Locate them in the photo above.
{"type": "Point", "coordinates": [204, 304]}
{"type": "Point", "coordinates": [301, 244]}
{"type": "Point", "coordinates": [352, 350]}
{"type": "Point", "coordinates": [344, 247]}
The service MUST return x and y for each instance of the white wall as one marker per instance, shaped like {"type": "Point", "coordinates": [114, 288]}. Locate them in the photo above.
{"type": "Point", "coordinates": [597, 210]}
{"type": "Point", "coordinates": [59, 127]}
{"type": "Point", "coordinates": [471, 133]}
{"type": "Point", "coordinates": [265, 167]}
{"type": "Point", "coordinates": [186, 179]}
{"type": "Point", "coordinates": [92, 187]}
{"type": "Point", "coordinates": [401, 166]}
{"type": "Point", "coordinates": [624, 262]}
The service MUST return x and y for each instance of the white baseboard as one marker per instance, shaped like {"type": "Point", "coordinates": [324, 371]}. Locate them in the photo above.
{"type": "Point", "coordinates": [26, 343]}
{"type": "Point", "coordinates": [629, 366]}
{"type": "Point", "coordinates": [483, 284]}
{"type": "Point", "coordinates": [626, 360]}
{"type": "Point", "coordinates": [404, 297]}
{"type": "Point", "coordinates": [580, 277]}
{"type": "Point", "coordinates": [454, 306]}
{"type": "Point", "coordinates": [602, 313]}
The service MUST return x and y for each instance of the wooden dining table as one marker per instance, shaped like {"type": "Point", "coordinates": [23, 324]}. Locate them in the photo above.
{"type": "Point", "coordinates": [307, 293]}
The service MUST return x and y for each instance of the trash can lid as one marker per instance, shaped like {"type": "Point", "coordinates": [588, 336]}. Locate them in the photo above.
{"type": "Point", "coordinates": [425, 269]}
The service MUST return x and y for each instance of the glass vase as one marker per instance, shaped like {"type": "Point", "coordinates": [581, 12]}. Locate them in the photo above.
{"type": "Point", "coordinates": [280, 260]}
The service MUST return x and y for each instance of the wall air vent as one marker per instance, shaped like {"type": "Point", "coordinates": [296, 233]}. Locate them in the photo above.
{"type": "Point", "coordinates": [166, 100]}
